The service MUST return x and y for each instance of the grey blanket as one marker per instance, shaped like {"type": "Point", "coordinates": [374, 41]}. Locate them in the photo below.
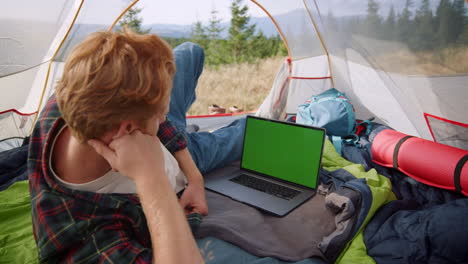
{"type": "Point", "coordinates": [303, 233]}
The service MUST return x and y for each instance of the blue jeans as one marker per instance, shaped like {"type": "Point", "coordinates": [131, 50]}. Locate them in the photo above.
{"type": "Point", "coordinates": [208, 150]}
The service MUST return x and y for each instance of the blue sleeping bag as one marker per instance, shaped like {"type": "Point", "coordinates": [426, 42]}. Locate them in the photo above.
{"type": "Point", "coordinates": [425, 225]}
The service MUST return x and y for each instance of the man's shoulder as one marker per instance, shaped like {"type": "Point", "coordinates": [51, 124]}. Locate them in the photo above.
{"type": "Point", "coordinates": [72, 228]}
{"type": "Point", "coordinates": [47, 117]}
{"type": "Point", "coordinates": [37, 154]}
{"type": "Point", "coordinates": [49, 114]}
{"type": "Point", "coordinates": [65, 220]}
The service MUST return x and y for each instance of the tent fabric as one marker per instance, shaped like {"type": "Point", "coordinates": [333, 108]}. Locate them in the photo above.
{"type": "Point", "coordinates": [274, 105]}
{"type": "Point", "coordinates": [36, 32]}
{"type": "Point", "coordinates": [384, 79]}
{"type": "Point", "coordinates": [447, 131]}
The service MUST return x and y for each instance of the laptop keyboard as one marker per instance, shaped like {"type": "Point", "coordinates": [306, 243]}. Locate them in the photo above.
{"type": "Point", "coordinates": [266, 186]}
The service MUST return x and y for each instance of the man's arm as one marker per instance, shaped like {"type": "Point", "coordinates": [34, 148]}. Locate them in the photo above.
{"type": "Point", "coordinates": [140, 158]}
{"type": "Point", "coordinates": [171, 137]}
{"type": "Point", "coordinates": [170, 234]}
{"type": "Point", "coordinates": [193, 199]}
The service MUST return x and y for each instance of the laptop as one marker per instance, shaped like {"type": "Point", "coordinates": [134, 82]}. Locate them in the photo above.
{"type": "Point", "coordinates": [279, 167]}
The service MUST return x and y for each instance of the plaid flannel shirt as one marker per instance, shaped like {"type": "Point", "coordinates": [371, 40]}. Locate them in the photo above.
{"type": "Point", "coordinates": [72, 226]}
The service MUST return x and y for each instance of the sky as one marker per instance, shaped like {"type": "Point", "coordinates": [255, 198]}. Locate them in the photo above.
{"type": "Point", "coordinates": [181, 12]}
{"type": "Point", "coordinates": [185, 12]}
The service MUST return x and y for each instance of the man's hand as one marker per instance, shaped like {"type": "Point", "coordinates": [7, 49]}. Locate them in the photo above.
{"type": "Point", "coordinates": [193, 199]}
{"type": "Point", "coordinates": [140, 157]}
{"type": "Point", "coordinates": [135, 155]}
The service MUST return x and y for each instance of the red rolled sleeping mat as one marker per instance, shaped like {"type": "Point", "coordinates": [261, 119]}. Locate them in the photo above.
{"type": "Point", "coordinates": [431, 163]}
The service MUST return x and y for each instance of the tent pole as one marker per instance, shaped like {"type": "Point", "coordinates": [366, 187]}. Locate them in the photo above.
{"type": "Point", "coordinates": [50, 65]}
{"type": "Point", "coordinates": [321, 41]}
{"type": "Point", "coordinates": [121, 14]}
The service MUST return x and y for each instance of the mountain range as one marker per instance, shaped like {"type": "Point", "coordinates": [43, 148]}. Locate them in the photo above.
{"type": "Point", "coordinates": [183, 31]}
{"type": "Point", "coordinates": [347, 8]}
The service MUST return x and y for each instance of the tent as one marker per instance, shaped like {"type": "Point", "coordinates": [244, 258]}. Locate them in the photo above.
{"type": "Point", "coordinates": [382, 76]}
{"type": "Point", "coordinates": [413, 89]}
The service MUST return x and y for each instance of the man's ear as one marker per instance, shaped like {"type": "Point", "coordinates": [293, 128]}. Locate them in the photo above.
{"type": "Point", "coordinates": [125, 128]}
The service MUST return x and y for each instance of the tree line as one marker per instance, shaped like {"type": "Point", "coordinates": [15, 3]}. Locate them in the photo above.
{"type": "Point", "coordinates": [420, 28]}
{"type": "Point", "coordinates": [243, 43]}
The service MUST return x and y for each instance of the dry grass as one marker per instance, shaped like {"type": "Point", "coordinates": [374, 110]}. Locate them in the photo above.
{"type": "Point", "coordinates": [446, 61]}
{"type": "Point", "coordinates": [394, 56]}
{"type": "Point", "coordinates": [454, 58]}
{"type": "Point", "coordinates": [243, 85]}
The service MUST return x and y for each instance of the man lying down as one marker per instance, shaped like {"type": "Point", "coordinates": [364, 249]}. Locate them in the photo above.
{"type": "Point", "coordinates": [110, 151]}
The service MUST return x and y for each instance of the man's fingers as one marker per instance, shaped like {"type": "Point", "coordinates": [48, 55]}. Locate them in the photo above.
{"type": "Point", "coordinates": [203, 210]}
{"type": "Point", "coordinates": [188, 210]}
{"type": "Point", "coordinates": [190, 207]}
{"type": "Point", "coordinates": [103, 150]}
{"type": "Point", "coordinates": [183, 202]}
{"type": "Point", "coordinates": [197, 209]}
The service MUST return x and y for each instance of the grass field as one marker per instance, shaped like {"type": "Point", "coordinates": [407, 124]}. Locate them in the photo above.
{"type": "Point", "coordinates": [445, 61]}
{"type": "Point", "coordinates": [243, 85]}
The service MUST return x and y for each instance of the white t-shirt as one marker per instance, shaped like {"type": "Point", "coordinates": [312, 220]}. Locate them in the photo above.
{"type": "Point", "coordinates": [114, 182]}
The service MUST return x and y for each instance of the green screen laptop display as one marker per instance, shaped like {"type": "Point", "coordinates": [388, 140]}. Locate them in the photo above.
{"type": "Point", "coordinates": [284, 151]}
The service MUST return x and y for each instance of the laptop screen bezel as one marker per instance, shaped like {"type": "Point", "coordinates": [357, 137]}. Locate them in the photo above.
{"type": "Point", "coordinates": [275, 178]}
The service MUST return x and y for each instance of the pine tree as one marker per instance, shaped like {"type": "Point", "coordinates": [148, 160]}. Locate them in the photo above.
{"type": "Point", "coordinates": [282, 50]}
{"type": "Point", "coordinates": [463, 38]}
{"type": "Point", "coordinates": [214, 26]}
{"type": "Point", "coordinates": [263, 47]}
{"type": "Point", "coordinates": [216, 49]}
{"type": "Point", "coordinates": [198, 35]}
{"type": "Point", "coordinates": [373, 21]}
{"type": "Point", "coordinates": [405, 25]}
{"type": "Point", "coordinates": [442, 23]}
{"type": "Point", "coordinates": [132, 20]}
{"type": "Point", "coordinates": [389, 28]}
{"type": "Point", "coordinates": [240, 32]}
{"type": "Point", "coordinates": [423, 37]}
{"type": "Point", "coordinates": [459, 16]}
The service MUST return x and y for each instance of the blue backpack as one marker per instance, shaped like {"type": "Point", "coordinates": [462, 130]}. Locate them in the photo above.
{"type": "Point", "coordinates": [330, 110]}
{"type": "Point", "coordinates": [333, 111]}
